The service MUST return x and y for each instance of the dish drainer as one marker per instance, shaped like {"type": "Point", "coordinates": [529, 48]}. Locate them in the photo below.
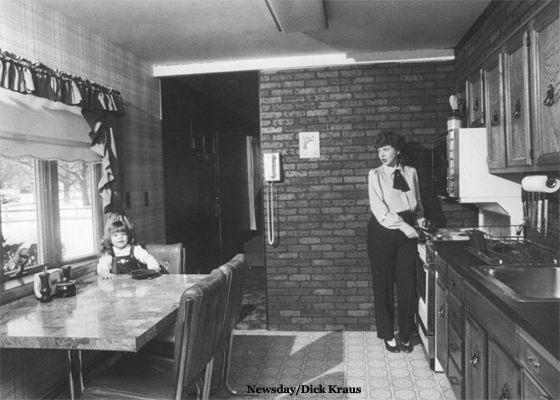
{"type": "Point", "coordinates": [502, 245]}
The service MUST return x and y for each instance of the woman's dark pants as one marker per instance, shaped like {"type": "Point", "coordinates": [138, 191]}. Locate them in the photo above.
{"type": "Point", "coordinates": [392, 257]}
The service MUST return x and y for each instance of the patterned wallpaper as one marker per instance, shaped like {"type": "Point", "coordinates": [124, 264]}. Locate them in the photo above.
{"type": "Point", "coordinates": [39, 34]}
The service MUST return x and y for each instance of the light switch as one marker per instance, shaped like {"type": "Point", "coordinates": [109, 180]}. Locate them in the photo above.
{"type": "Point", "coordinates": [127, 202]}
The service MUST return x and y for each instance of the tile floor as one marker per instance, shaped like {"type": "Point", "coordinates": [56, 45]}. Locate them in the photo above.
{"type": "Point", "coordinates": [356, 360]}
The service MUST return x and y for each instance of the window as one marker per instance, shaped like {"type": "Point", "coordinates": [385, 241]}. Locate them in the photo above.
{"type": "Point", "coordinates": [50, 213]}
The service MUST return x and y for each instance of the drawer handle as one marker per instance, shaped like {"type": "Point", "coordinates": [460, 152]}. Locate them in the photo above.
{"type": "Point", "coordinates": [517, 112]}
{"type": "Point", "coordinates": [494, 118]}
{"type": "Point", "coordinates": [441, 311]}
{"type": "Point", "coordinates": [549, 101]}
{"type": "Point", "coordinates": [475, 357]}
{"type": "Point", "coordinates": [534, 361]}
{"type": "Point", "coordinates": [452, 282]}
{"type": "Point", "coordinates": [505, 392]}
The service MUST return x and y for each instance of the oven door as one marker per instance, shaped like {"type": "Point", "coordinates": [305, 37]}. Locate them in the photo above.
{"type": "Point", "coordinates": [426, 280]}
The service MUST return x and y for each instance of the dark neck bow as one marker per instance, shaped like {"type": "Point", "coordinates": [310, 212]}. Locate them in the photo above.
{"type": "Point", "coordinates": [399, 182]}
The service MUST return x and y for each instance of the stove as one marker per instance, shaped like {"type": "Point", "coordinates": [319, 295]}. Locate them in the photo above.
{"type": "Point", "coordinates": [426, 275]}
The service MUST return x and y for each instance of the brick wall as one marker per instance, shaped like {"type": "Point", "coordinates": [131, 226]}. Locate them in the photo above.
{"type": "Point", "coordinates": [318, 275]}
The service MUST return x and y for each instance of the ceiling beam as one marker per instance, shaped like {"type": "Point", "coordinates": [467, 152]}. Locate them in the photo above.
{"type": "Point", "coordinates": [298, 15]}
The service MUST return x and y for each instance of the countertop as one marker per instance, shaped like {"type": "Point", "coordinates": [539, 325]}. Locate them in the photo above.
{"type": "Point", "coordinates": [541, 320]}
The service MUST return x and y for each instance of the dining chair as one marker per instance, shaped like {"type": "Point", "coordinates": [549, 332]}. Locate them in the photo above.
{"type": "Point", "coordinates": [235, 271]}
{"type": "Point", "coordinates": [198, 329]}
{"type": "Point", "coordinates": [171, 256]}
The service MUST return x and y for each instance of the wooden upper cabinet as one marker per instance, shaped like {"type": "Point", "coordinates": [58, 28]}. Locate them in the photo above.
{"type": "Point", "coordinates": [517, 101]}
{"type": "Point", "coordinates": [494, 95]}
{"type": "Point", "coordinates": [475, 100]}
{"type": "Point", "coordinates": [545, 52]}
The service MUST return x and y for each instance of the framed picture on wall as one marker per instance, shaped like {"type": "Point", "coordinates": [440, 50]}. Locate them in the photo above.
{"type": "Point", "coordinates": [309, 145]}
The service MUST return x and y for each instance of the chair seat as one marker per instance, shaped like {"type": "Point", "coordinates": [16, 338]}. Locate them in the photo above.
{"type": "Point", "coordinates": [135, 377]}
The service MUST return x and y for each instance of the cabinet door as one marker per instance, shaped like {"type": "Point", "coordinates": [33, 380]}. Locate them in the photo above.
{"type": "Point", "coordinates": [503, 374]}
{"type": "Point", "coordinates": [494, 95]}
{"type": "Point", "coordinates": [441, 326]}
{"type": "Point", "coordinates": [546, 85]}
{"type": "Point", "coordinates": [517, 107]}
{"type": "Point", "coordinates": [475, 363]}
{"type": "Point", "coordinates": [475, 100]}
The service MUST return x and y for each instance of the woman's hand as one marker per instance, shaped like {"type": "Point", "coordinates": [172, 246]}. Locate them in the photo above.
{"type": "Point", "coordinates": [409, 231]}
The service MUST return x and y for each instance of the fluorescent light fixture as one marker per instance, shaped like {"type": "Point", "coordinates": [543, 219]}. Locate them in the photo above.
{"type": "Point", "coordinates": [305, 62]}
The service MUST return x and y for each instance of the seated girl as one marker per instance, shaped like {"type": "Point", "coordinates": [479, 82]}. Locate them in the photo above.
{"type": "Point", "coordinates": [119, 254]}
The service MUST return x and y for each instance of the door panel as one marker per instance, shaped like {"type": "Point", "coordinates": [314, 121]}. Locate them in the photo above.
{"type": "Point", "coordinates": [517, 105]}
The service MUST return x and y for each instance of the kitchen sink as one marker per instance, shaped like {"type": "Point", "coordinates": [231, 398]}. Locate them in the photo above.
{"type": "Point", "coordinates": [524, 283]}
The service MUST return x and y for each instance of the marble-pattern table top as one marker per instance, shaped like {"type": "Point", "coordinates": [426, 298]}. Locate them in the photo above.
{"type": "Point", "coordinates": [120, 314]}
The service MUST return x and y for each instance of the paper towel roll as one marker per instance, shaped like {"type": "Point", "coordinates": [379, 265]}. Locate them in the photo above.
{"type": "Point", "coordinates": [537, 183]}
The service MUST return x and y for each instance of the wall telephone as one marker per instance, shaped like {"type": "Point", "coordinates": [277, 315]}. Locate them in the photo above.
{"type": "Point", "coordinates": [272, 173]}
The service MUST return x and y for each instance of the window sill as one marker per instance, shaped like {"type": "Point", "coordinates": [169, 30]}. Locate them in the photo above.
{"type": "Point", "coordinates": [15, 289]}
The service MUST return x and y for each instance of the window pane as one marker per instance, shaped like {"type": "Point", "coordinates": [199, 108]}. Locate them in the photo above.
{"type": "Point", "coordinates": [76, 211]}
{"type": "Point", "coordinates": [19, 215]}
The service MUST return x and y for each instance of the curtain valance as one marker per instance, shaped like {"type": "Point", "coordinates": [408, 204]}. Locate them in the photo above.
{"type": "Point", "coordinates": [24, 76]}
{"type": "Point", "coordinates": [35, 127]}
{"type": "Point", "coordinates": [102, 109]}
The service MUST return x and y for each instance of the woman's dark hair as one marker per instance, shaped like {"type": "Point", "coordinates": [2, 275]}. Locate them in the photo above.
{"type": "Point", "coordinates": [389, 139]}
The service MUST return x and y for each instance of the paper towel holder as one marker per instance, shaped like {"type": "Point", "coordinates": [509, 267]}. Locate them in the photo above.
{"type": "Point", "coordinates": [551, 181]}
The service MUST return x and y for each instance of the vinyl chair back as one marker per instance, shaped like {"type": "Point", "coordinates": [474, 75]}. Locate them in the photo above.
{"type": "Point", "coordinates": [197, 331]}
{"type": "Point", "coordinates": [195, 345]}
{"type": "Point", "coordinates": [235, 271]}
{"type": "Point", "coordinates": [171, 256]}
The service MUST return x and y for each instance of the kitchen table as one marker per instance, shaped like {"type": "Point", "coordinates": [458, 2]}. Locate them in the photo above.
{"type": "Point", "coordinates": [120, 314]}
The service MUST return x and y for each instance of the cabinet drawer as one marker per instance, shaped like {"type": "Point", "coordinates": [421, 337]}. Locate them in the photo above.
{"type": "Point", "coordinates": [543, 366]}
{"type": "Point", "coordinates": [456, 283]}
{"type": "Point", "coordinates": [455, 377]}
{"type": "Point", "coordinates": [455, 313]}
{"type": "Point", "coordinates": [456, 346]}
{"type": "Point", "coordinates": [530, 389]}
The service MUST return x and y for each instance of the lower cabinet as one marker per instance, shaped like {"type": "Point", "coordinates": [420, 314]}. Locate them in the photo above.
{"type": "Point", "coordinates": [476, 385]}
{"type": "Point", "coordinates": [484, 354]}
{"type": "Point", "coordinates": [504, 382]}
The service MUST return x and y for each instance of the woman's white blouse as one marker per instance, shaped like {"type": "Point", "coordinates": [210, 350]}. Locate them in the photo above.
{"type": "Point", "coordinates": [386, 202]}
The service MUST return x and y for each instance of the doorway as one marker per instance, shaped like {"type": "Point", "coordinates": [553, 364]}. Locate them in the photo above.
{"type": "Point", "coordinates": [211, 152]}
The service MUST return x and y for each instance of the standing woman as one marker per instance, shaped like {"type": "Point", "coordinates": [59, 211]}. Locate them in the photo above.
{"type": "Point", "coordinates": [394, 197]}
